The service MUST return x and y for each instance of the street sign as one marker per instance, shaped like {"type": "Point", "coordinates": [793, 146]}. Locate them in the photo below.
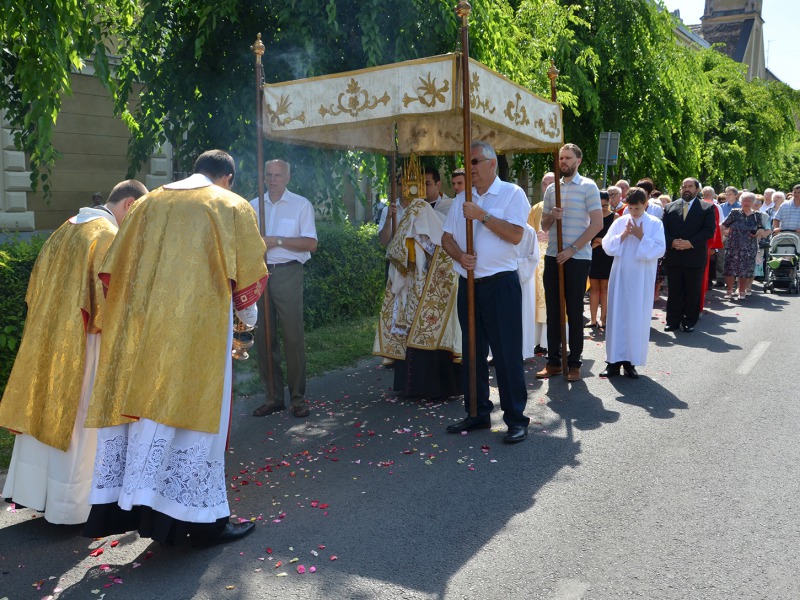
{"type": "Point", "coordinates": [608, 148]}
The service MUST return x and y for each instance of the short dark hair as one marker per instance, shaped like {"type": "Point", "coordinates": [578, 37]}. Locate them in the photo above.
{"type": "Point", "coordinates": [215, 164]}
{"type": "Point", "coordinates": [434, 172]}
{"type": "Point", "coordinates": [458, 172]}
{"type": "Point", "coordinates": [646, 184]}
{"type": "Point", "coordinates": [604, 195]}
{"type": "Point", "coordinates": [574, 148]}
{"type": "Point", "coordinates": [126, 189]}
{"type": "Point", "coordinates": [636, 195]}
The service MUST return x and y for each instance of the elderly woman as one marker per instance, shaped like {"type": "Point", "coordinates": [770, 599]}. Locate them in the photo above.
{"type": "Point", "coordinates": [744, 227]}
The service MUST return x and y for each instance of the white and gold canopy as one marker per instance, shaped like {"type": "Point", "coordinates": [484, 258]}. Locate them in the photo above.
{"type": "Point", "coordinates": [358, 110]}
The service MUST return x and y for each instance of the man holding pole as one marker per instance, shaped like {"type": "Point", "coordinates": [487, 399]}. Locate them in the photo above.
{"type": "Point", "coordinates": [499, 211]}
{"type": "Point", "coordinates": [581, 216]}
{"type": "Point", "coordinates": [291, 237]}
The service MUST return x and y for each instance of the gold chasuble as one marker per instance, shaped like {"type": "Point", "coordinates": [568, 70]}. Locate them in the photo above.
{"type": "Point", "coordinates": [168, 305]}
{"type": "Point", "coordinates": [418, 309]}
{"type": "Point", "coordinates": [65, 302]}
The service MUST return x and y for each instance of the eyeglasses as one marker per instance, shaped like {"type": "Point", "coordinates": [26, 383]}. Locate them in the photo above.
{"type": "Point", "coordinates": [475, 161]}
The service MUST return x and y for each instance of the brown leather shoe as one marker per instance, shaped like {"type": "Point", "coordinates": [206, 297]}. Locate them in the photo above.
{"type": "Point", "coordinates": [574, 374]}
{"type": "Point", "coordinates": [549, 371]}
{"type": "Point", "coordinates": [266, 409]}
{"type": "Point", "coordinates": [301, 411]}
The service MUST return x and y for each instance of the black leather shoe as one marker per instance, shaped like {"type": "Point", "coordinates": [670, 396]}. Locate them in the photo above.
{"type": "Point", "coordinates": [470, 424]}
{"type": "Point", "coordinates": [539, 351]}
{"type": "Point", "coordinates": [688, 328]}
{"type": "Point", "coordinates": [670, 327]}
{"type": "Point", "coordinates": [612, 370]}
{"type": "Point", "coordinates": [630, 371]}
{"type": "Point", "coordinates": [231, 532]}
{"type": "Point", "coordinates": [265, 409]}
{"type": "Point", "coordinates": [516, 433]}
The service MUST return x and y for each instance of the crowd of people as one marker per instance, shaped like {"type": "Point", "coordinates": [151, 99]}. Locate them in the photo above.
{"type": "Point", "coordinates": [113, 366]}
{"type": "Point", "coordinates": [621, 245]}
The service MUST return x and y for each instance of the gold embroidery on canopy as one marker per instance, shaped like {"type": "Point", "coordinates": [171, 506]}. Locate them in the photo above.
{"type": "Point", "coordinates": [281, 109]}
{"type": "Point", "coordinates": [552, 130]}
{"type": "Point", "coordinates": [428, 88]}
{"type": "Point", "coordinates": [475, 101]}
{"type": "Point", "coordinates": [517, 114]}
{"type": "Point", "coordinates": [358, 101]}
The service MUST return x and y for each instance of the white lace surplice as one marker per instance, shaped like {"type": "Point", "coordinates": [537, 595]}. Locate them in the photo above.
{"type": "Point", "coordinates": [178, 472]}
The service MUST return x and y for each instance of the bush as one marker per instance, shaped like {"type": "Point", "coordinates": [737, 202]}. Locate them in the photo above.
{"type": "Point", "coordinates": [16, 262]}
{"type": "Point", "coordinates": [345, 276]}
{"type": "Point", "coordinates": [344, 279]}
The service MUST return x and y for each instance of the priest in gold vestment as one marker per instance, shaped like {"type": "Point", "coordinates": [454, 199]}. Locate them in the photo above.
{"type": "Point", "coordinates": [418, 325]}
{"type": "Point", "coordinates": [47, 394]}
{"type": "Point", "coordinates": [189, 254]}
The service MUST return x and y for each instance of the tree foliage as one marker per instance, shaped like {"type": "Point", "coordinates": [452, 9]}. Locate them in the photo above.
{"type": "Point", "coordinates": [41, 42]}
{"type": "Point", "coordinates": [680, 112]}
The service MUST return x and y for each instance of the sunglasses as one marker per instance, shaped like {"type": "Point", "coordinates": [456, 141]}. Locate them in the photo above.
{"type": "Point", "coordinates": [475, 161]}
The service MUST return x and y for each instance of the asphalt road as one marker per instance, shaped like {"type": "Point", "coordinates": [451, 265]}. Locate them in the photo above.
{"type": "Point", "coordinates": [683, 484]}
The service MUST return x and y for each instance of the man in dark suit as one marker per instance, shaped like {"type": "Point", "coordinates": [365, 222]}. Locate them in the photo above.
{"type": "Point", "coordinates": [688, 224]}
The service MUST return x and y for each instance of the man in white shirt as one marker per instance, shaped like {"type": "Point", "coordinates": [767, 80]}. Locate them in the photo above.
{"type": "Point", "coordinates": [499, 211]}
{"type": "Point", "coordinates": [291, 237]}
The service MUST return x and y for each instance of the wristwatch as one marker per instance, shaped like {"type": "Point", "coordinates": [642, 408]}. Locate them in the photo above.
{"type": "Point", "coordinates": [486, 217]}
{"type": "Point", "coordinates": [574, 248]}
{"type": "Point", "coordinates": [280, 242]}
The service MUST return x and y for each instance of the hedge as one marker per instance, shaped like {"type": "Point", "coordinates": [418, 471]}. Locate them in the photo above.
{"type": "Point", "coordinates": [16, 262]}
{"type": "Point", "coordinates": [344, 279]}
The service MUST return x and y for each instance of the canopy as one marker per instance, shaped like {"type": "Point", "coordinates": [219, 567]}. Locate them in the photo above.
{"type": "Point", "coordinates": [359, 109]}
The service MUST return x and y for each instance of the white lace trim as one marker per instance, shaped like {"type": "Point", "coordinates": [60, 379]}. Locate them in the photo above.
{"type": "Point", "coordinates": [182, 475]}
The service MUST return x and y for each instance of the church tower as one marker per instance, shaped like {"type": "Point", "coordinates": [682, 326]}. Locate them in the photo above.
{"type": "Point", "coordinates": [738, 25]}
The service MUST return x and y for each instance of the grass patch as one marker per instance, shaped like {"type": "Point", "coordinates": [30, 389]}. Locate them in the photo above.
{"type": "Point", "coordinates": [329, 347]}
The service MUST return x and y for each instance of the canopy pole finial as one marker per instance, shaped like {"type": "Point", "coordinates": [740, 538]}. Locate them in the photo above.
{"type": "Point", "coordinates": [258, 48]}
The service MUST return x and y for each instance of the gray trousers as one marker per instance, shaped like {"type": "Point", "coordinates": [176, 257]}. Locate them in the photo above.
{"type": "Point", "coordinates": [285, 288]}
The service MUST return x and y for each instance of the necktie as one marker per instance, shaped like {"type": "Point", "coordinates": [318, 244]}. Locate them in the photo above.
{"type": "Point", "coordinates": [685, 209]}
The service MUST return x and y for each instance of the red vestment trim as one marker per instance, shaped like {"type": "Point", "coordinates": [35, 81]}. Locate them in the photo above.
{"type": "Point", "coordinates": [106, 279]}
{"type": "Point", "coordinates": [248, 296]}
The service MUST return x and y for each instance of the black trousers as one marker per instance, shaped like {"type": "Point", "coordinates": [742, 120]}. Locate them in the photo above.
{"type": "Point", "coordinates": [684, 294]}
{"type": "Point", "coordinates": [575, 275]}
{"type": "Point", "coordinates": [498, 324]}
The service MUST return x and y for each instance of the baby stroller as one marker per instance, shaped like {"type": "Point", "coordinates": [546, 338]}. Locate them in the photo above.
{"type": "Point", "coordinates": [781, 270]}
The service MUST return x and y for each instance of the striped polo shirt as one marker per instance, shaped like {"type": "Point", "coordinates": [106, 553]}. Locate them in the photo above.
{"type": "Point", "coordinates": [578, 198]}
{"type": "Point", "coordinates": [789, 216]}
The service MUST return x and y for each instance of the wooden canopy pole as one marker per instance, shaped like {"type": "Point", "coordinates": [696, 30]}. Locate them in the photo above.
{"type": "Point", "coordinates": [463, 10]}
{"type": "Point", "coordinates": [258, 51]}
{"type": "Point", "coordinates": [552, 73]}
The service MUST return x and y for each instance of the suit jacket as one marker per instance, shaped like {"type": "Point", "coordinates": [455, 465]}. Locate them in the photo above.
{"type": "Point", "coordinates": [698, 228]}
